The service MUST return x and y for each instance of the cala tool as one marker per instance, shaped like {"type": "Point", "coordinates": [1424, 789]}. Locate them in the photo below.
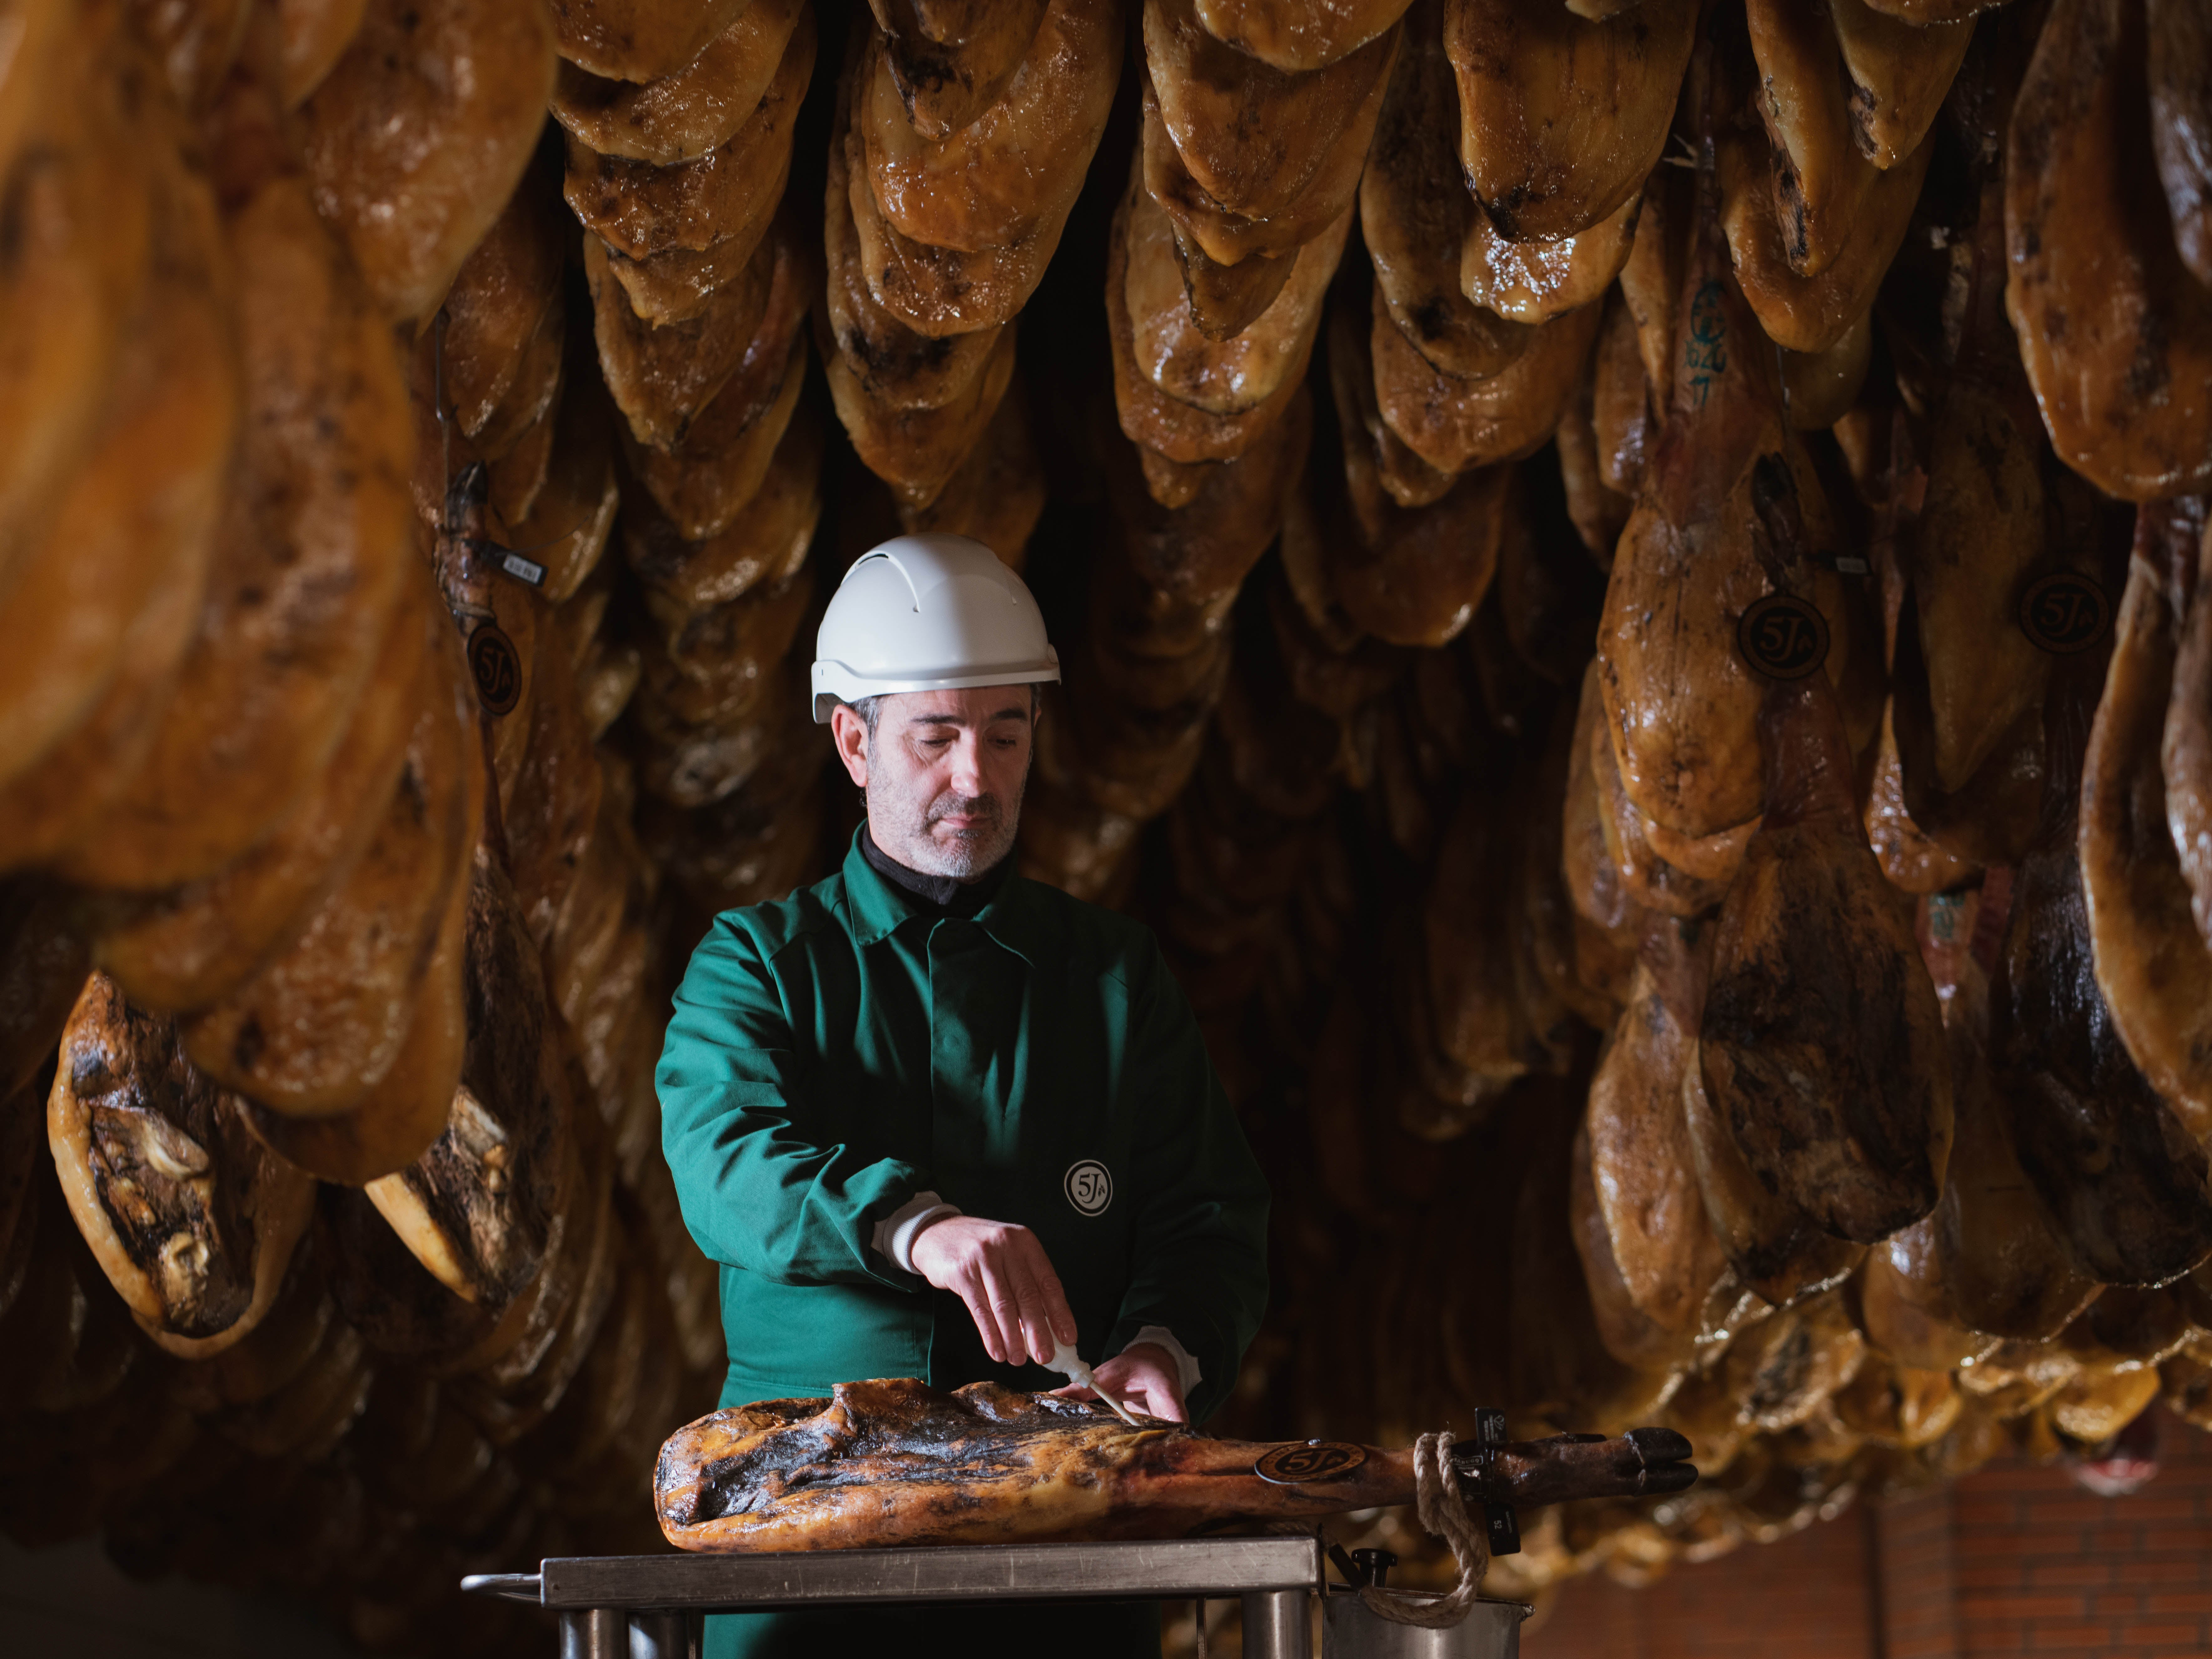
{"type": "Point", "coordinates": [1069, 1364]}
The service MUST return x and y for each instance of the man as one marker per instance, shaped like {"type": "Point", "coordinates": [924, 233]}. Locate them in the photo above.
{"type": "Point", "coordinates": [929, 1115]}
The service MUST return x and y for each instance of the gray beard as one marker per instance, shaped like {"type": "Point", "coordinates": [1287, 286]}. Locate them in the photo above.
{"type": "Point", "coordinates": [902, 829]}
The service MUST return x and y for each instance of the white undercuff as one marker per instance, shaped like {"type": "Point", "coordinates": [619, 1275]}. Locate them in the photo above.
{"type": "Point", "coordinates": [896, 1233]}
{"type": "Point", "coordinates": [1187, 1376]}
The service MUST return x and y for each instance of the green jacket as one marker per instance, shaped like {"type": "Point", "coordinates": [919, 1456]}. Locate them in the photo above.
{"type": "Point", "coordinates": [834, 1053]}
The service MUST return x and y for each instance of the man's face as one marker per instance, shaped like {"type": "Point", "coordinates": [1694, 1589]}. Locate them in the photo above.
{"type": "Point", "coordinates": [943, 773]}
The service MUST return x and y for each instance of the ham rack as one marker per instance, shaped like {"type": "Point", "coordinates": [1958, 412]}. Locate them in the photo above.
{"type": "Point", "coordinates": [645, 1606]}
{"type": "Point", "coordinates": [642, 1606]}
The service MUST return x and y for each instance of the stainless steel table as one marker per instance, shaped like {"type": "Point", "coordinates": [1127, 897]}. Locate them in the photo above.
{"type": "Point", "coordinates": [642, 1606]}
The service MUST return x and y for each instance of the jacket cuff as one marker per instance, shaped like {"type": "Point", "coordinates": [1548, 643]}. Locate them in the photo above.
{"type": "Point", "coordinates": [1188, 1375]}
{"type": "Point", "coordinates": [896, 1233]}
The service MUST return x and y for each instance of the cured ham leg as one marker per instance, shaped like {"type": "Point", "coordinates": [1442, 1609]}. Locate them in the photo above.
{"type": "Point", "coordinates": [645, 210]}
{"type": "Point", "coordinates": [1298, 34]}
{"type": "Point", "coordinates": [1681, 707]}
{"type": "Point", "coordinates": [705, 481]}
{"type": "Point", "coordinates": [1644, 1168]}
{"type": "Point", "coordinates": [85, 229]}
{"type": "Point", "coordinates": [1415, 211]}
{"type": "Point", "coordinates": [124, 542]}
{"type": "Point", "coordinates": [1822, 1044]}
{"type": "Point", "coordinates": [310, 560]}
{"type": "Point", "coordinates": [1251, 138]}
{"type": "Point", "coordinates": [1410, 573]}
{"type": "Point", "coordinates": [1988, 819]}
{"type": "Point", "coordinates": [639, 40]}
{"type": "Point", "coordinates": [193, 945]}
{"type": "Point", "coordinates": [505, 321]}
{"type": "Point", "coordinates": [680, 117]}
{"type": "Point", "coordinates": [1912, 860]}
{"type": "Point", "coordinates": [951, 59]}
{"type": "Point", "coordinates": [192, 1222]}
{"type": "Point", "coordinates": [1776, 1250]}
{"type": "Point", "coordinates": [2152, 965]}
{"type": "Point", "coordinates": [1982, 527]}
{"type": "Point", "coordinates": [473, 1209]}
{"type": "Point", "coordinates": [419, 133]}
{"type": "Point", "coordinates": [1225, 376]}
{"type": "Point", "coordinates": [893, 1462]}
{"type": "Point", "coordinates": [1813, 314]}
{"type": "Point", "coordinates": [1015, 169]}
{"type": "Point", "coordinates": [316, 1027]}
{"type": "Point", "coordinates": [1532, 283]}
{"type": "Point", "coordinates": [1996, 1246]}
{"type": "Point", "coordinates": [1562, 119]}
{"type": "Point", "coordinates": [1451, 424]}
{"type": "Point", "coordinates": [939, 289]}
{"type": "Point", "coordinates": [1821, 180]}
{"type": "Point", "coordinates": [2124, 1179]}
{"type": "Point", "coordinates": [1898, 75]}
{"type": "Point", "coordinates": [2092, 255]}
{"type": "Point", "coordinates": [108, 607]}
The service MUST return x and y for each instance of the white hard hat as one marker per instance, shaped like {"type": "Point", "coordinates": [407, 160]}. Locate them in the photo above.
{"type": "Point", "coordinates": [927, 613]}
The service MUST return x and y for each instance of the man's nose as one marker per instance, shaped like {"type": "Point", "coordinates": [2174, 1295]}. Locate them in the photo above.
{"type": "Point", "coordinates": [967, 764]}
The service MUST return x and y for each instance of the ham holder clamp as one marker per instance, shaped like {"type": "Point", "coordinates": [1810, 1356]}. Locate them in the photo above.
{"type": "Point", "coordinates": [891, 1492]}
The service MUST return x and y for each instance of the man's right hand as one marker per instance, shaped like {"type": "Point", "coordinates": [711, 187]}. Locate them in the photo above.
{"type": "Point", "coordinates": [1002, 1273]}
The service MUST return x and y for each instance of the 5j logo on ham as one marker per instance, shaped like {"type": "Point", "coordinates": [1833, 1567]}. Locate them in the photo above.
{"type": "Point", "coordinates": [1783, 637]}
{"type": "Point", "coordinates": [2063, 613]}
{"type": "Point", "coordinates": [1089, 1187]}
{"type": "Point", "coordinates": [497, 668]}
{"type": "Point", "coordinates": [1315, 1460]}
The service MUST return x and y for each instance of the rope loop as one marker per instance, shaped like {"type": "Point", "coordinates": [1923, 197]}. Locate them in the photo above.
{"type": "Point", "coordinates": [1443, 1512]}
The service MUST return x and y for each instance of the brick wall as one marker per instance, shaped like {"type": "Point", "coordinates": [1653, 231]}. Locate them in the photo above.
{"type": "Point", "coordinates": [2015, 1559]}
{"type": "Point", "coordinates": [1917, 1561]}
{"type": "Point", "coordinates": [2043, 1566]}
{"type": "Point", "coordinates": [1806, 1596]}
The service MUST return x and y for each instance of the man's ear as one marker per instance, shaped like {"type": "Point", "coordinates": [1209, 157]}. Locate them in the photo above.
{"type": "Point", "coordinates": [849, 733]}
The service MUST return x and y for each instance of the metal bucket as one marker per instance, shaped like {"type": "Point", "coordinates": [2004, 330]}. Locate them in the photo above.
{"type": "Point", "coordinates": [1492, 1630]}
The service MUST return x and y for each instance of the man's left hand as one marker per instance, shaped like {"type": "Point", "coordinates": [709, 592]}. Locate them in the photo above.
{"type": "Point", "coordinates": [1143, 1378]}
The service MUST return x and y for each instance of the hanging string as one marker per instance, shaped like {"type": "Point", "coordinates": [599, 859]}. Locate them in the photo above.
{"type": "Point", "coordinates": [1437, 1503]}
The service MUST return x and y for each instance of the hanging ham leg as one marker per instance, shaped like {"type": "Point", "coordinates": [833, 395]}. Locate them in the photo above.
{"type": "Point", "coordinates": [2124, 1179]}
{"type": "Point", "coordinates": [892, 1462]}
{"type": "Point", "coordinates": [1996, 1247]}
{"type": "Point", "coordinates": [1823, 1043]}
{"type": "Point", "coordinates": [2151, 963]}
{"type": "Point", "coordinates": [2091, 256]}
{"type": "Point", "coordinates": [951, 59]}
{"type": "Point", "coordinates": [1681, 707]}
{"type": "Point", "coordinates": [191, 1219]}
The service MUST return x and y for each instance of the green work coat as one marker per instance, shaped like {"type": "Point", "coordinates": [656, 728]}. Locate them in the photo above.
{"type": "Point", "coordinates": [834, 1053]}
